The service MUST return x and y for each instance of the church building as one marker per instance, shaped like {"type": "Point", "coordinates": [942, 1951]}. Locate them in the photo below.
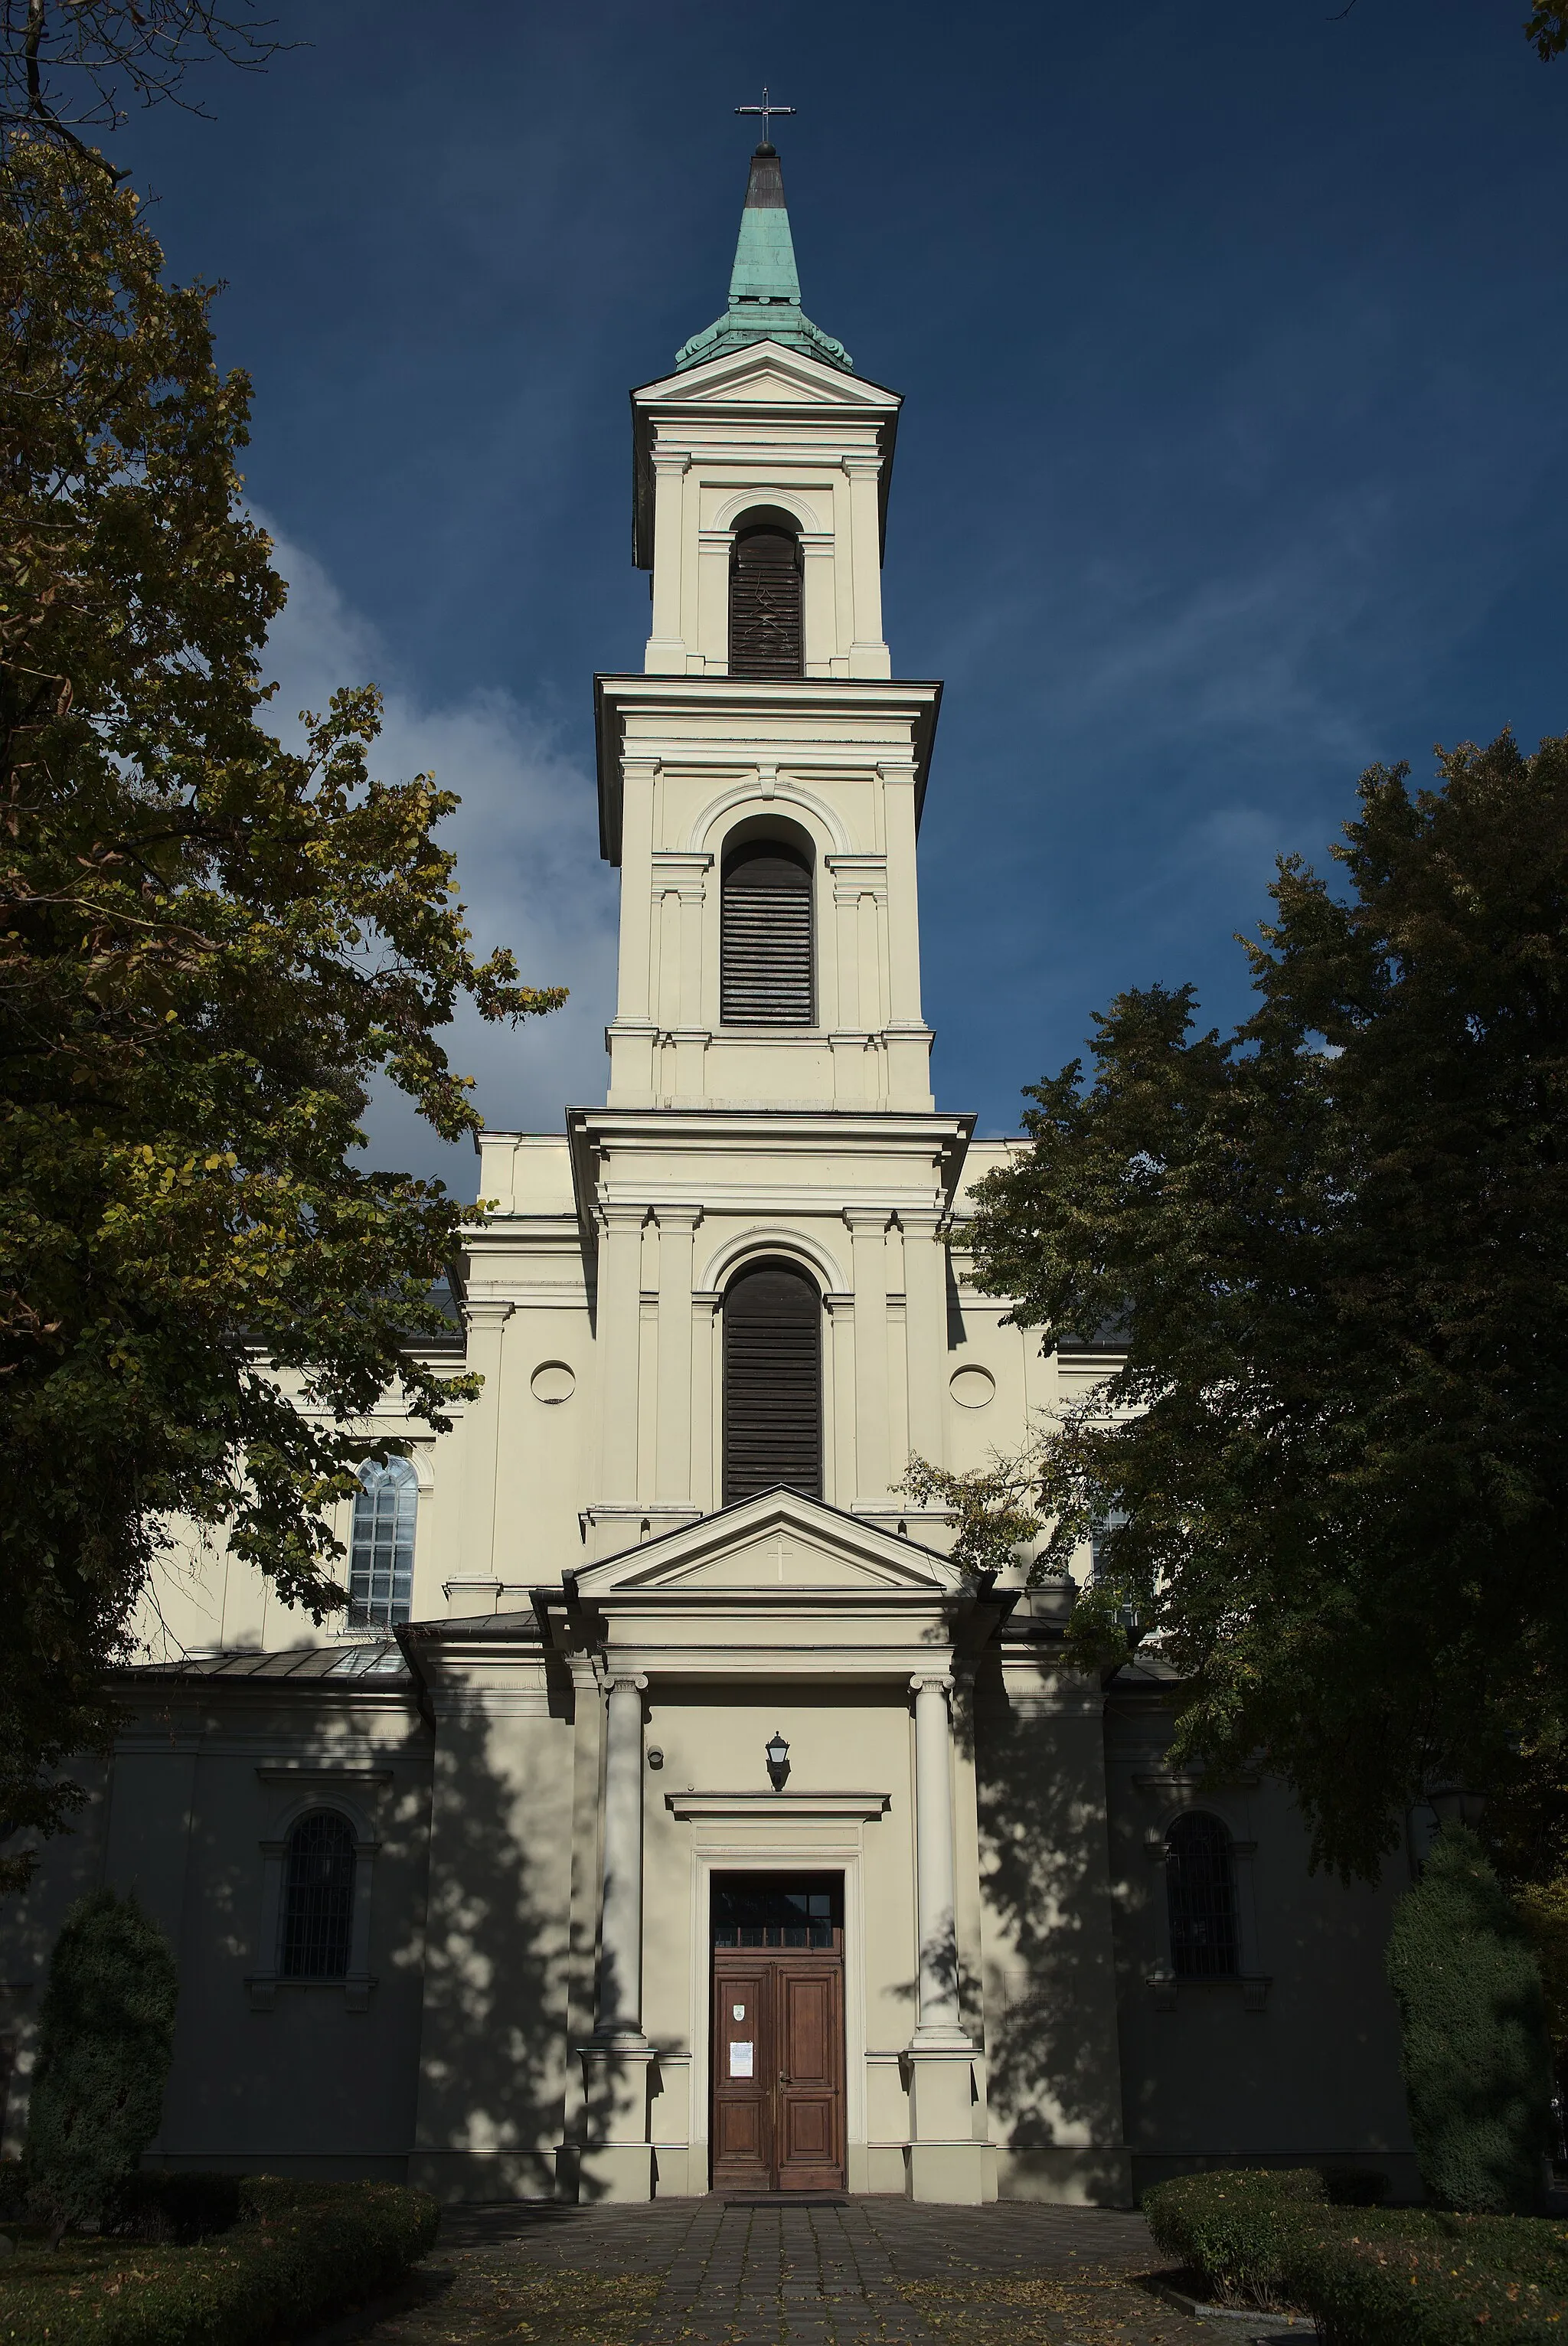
{"type": "Point", "coordinates": [667, 1814]}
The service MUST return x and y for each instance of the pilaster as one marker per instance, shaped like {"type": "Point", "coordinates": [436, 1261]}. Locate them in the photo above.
{"type": "Point", "coordinates": [868, 1233]}
{"type": "Point", "coordinates": [677, 1227]}
{"type": "Point", "coordinates": [666, 654]}
{"type": "Point", "coordinates": [618, 1344]}
{"type": "Point", "coordinates": [867, 654]}
{"type": "Point", "coordinates": [487, 1316]}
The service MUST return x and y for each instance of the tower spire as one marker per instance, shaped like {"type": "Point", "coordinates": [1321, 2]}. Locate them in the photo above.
{"type": "Point", "coordinates": [764, 287]}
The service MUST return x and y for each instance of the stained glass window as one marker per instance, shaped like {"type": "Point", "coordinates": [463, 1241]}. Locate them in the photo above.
{"type": "Point", "coordinates": [1200, 1884]}
{"type": "Point", "coordinates": [380, 1585]}
{"type": "Point", "coordinates": [317, 1898]}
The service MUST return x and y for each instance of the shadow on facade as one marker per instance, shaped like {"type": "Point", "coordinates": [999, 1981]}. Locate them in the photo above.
{"type": "Point", "coordinates": [1050, 1988]}
{"type": "Point", "coordinates": [507, 1994]}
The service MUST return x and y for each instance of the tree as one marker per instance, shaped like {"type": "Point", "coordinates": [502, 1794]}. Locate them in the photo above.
{"type": "Point", "coordinates": [1478, 2077]}
{"type": "Point", "coordinates": [992, 1509]}
{"type": "Point", "coordinates": [106, 2039]}
{"type": "Point", "coordinates": [210, 945]}
{"type": "Point", "coordinates": [64, 65]}
{"type": "Point", "coordinates": [1332, 1464]}
{"type": "Point", "coordinates": [1548, 28]}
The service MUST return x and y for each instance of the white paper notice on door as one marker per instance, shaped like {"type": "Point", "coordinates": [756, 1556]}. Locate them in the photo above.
{"type": "Point", "coordinates": [740, 2060]}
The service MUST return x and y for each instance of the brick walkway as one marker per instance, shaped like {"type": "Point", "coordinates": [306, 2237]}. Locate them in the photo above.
{"type": "Point", "coordinates": [860, 2272]}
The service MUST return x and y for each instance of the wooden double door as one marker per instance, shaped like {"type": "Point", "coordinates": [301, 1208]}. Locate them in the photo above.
{"type": "Point", "coordinates": [778, 2032]}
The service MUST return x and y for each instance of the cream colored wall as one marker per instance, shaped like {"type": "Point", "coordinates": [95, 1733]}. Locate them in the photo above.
{"type": "Point", "coordinates": [1304, 2066]}
{"type": "Point", "coordinates": [494, 2051]}
{"type": "Point", "coordinates": [206, 1781]}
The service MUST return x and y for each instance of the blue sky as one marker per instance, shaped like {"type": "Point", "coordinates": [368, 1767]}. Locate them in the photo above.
{"type": "Point", "coordinates": [1234, 348]}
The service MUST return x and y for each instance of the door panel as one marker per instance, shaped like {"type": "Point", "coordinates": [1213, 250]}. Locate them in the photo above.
{"type": "Point", "coordinates": [743, 2073]}
{"type": "Point", "coordinates": [809, 2007]}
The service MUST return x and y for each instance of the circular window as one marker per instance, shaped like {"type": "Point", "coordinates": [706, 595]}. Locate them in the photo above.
{"type": "Point", "coordinates": [552, 1381]}
{"type": "Point", "coordinates": [973, 1387]}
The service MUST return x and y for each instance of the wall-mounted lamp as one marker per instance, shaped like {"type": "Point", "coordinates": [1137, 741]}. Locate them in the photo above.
{"type": "Point", "coordinates": [778, 1756]}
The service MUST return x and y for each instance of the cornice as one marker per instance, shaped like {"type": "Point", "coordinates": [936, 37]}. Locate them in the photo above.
{"type": "Point", "coordinates": [916, 700]}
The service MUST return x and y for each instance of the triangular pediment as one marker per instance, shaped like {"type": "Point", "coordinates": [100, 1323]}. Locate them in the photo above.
{"type": "Point", "coordinates": [766, 374]}
{"type": "Point", "coordinates": [778, 1544]}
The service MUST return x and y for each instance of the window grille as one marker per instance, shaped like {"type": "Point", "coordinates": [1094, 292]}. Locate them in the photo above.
{"type": "Point", "coordinates": [317, 1898]}
{"type": "Point", "coordinates": [765, 631]}
{"type": "Point", "coordinates": [1200, 1886]}
{"type": "Point", "coordinates": [381, 1577]}
{"type": "Point", "coordinates": [772, 1382]}
{"type": "Point", "coordinates": [765, 1910]}
{"type": "Point", "coordinates": [765, 937]}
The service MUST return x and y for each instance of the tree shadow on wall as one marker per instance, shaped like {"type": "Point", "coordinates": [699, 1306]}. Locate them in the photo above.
{"type": "Point", "coordinates": [508, 1967]}
{"type": "Point", "coordinates": [1050, 1991]}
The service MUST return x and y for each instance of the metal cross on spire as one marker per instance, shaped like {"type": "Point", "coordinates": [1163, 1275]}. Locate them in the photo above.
{"type": "Point", "coordinates": [765, 109]}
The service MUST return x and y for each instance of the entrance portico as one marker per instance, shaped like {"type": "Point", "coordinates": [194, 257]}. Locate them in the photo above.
{"type": "Point", "coordinates": [680, 1659]}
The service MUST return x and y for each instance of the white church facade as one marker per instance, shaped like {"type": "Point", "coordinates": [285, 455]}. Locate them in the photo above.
{"type": "Point", "coordinates": [669, 1815]}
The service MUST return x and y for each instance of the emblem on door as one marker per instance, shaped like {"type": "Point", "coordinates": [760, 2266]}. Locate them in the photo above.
{"type": "Point", "coordinates": [738, 2010]}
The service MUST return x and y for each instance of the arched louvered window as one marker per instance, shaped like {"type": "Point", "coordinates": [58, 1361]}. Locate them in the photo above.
{"type": "Point", "coordinates": [765, 937]}
{"type": "Point", "coordinates": [765, 617]}
{"type": "Point", "coordinates": [1200, 1886]}
{"type": "Point", "coordinates": [772, 1382]}
{"type": "Point", "coordinates": [317, 1898]}
{"type": "Point", "coordinates": [381, 1558]}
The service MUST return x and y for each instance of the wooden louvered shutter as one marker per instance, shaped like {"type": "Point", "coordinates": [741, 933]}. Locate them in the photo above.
{"type": "Point", "coordinates": [772, 1383]}
{"type": "Point", "coordinates": [765, 938]}
{"type": "Point", "coordinates": [765, 638]}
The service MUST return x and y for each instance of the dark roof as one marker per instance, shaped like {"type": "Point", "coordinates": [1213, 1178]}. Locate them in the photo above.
{"type": "Point", "coordinates": [343, 1663]}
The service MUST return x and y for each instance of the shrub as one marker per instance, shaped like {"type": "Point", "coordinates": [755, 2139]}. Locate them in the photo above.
{"type": "Point", "coordinates": [1476, 2064]}
{"type": "Point", "coordinates": [299, 2254]}
{"type": "Point", "coordinates": [180, 2205]}
{"type": "Point", "coordinates": [105, 2034]}
{"type": "Point", "coordinates": [1370, 2276]}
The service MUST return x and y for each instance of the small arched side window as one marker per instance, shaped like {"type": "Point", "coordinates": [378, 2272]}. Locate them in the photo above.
{"type": "Point", "coordinates": [766, 637]}
{"type": "Point", "coordinates": [772, 1382]}
{"type": "Point", "coordinates": [318, 1918]}
{"type": "Point", "coordinates": [381, 1577]}
{"type": "Point", "coordinates": [1200, 1886]}
{"type": "Point", "coordinates": [765, 936]}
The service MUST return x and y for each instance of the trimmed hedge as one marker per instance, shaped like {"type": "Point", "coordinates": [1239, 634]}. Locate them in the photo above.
{"type": "Point", "coordinates": [1409, 2277]}
{"type": "Point", "coordinates": [300, 2253]}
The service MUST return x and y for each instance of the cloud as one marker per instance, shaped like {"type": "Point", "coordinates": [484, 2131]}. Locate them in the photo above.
{"type": "Point", "coordinates": [528, 866]}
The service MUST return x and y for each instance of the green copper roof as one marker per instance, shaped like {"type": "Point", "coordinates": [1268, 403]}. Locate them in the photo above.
{"type": "Point", "coordinates": [764, 289]}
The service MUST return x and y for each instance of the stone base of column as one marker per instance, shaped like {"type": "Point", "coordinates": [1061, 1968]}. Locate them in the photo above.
{"type": "Point", "coordinates": [618, 2171]}
{"type": "Point", "coordinates": [617, 2159]}
{"type": "Point", "coordinates": [945, 2162]}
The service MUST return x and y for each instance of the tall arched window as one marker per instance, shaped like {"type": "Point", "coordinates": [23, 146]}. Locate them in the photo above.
{"type": "Point", "coordinates": [1200, 1886]}
{"type": "Point", "coordinates": [380, 1560]}
{"type": "Point", "coordinates": [772, 1382]}
{"type": "Point", "coordinates": [765, 638]}
{"type": "Point", "coordinates": [765, 936]}
{"type": "Point", "coordinates": [318, 1921]}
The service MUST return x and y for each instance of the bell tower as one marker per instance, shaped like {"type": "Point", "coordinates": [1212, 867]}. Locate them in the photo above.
{"type": "Point", "coordinates": [766, 718]}
{"type": "Point", "coordinates": [769, 1115]}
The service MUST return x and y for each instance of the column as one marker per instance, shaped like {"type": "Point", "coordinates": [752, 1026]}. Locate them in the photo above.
{"type": "Point", "coordinates": [947, 2161]}
{"type": "Point", "coordinates": [672, 1477]}
{"type": "Point", "coordinates": [617, 2160]}
{"type": "Point", "coordinates": [618, 2008]}
{"type": "Point", "coordinates": [867, 1230]}
{"type": "Point", "coordinates": [617, 1341]}
{"type": "Point", "coordinates": [939, 2021]}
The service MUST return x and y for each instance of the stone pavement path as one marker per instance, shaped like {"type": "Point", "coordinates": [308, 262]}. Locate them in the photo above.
{"type": "Point", "coordinates": [860, 2272]}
